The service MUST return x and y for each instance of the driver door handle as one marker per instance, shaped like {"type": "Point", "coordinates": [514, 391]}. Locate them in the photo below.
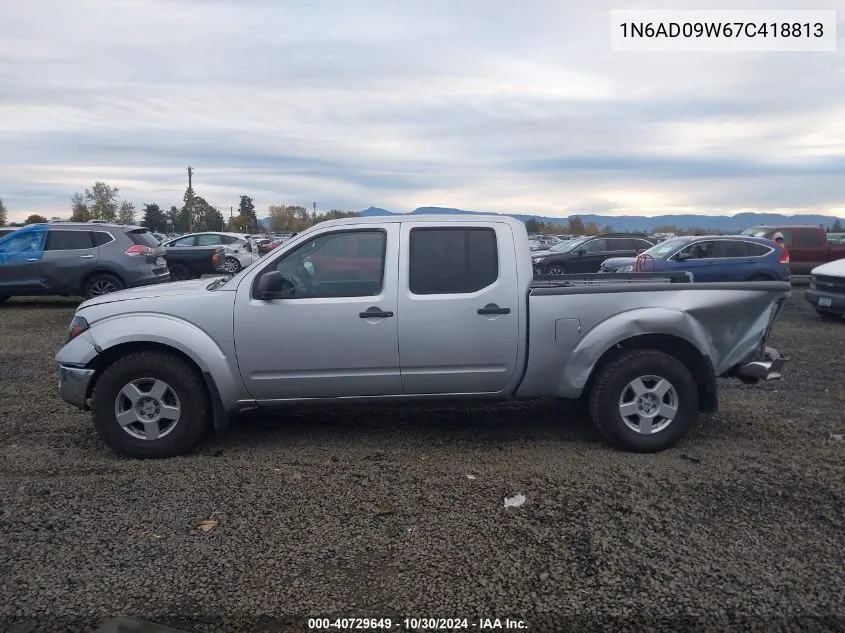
{"type": "Point", "coordinates": [86, 257]}
{"type": "Point", "coordinates": [492, 308]}
{"type": "Point", "coordinates": [375, 313]}
{"type": "Point", "coordinates": [32, 259]}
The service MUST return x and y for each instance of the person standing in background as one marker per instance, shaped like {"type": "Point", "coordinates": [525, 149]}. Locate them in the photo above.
{"type": "Point", "coordinates": [778, 238]}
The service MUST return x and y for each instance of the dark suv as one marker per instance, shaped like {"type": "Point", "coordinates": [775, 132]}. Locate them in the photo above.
{"type": "Point", "coordinates": [78, 259]}
{"type": "Point", "coordinates": [585, 254]}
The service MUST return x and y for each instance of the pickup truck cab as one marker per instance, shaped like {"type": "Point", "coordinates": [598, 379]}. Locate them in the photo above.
{"type": "Point", "coordinates": [421, 309]}
{"type": "Point", "coordinates": [808, 245]}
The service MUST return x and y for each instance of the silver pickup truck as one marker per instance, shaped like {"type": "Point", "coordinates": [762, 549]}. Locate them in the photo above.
{"type": "Point", "coordinates": [414, 308]}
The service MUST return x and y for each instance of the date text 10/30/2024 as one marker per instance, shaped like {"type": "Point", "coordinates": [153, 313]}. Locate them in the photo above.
{"type": "Point", "coordinates": [415, 624]}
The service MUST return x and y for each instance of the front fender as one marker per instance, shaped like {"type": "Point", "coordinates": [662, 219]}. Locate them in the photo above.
{"type": "Point", "coordinates": [623, 326]}
{"type": "Point", "coordinates": [181, 335]}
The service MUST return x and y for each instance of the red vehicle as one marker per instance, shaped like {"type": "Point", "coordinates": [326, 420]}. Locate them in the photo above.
{"type": "Point", "coordinates": [807, 245]}
{"type": "Point", "coordinates": [356, 257]}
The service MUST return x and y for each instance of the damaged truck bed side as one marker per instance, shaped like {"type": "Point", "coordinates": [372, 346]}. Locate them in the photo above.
{"type": "Point", "coordinates": [387, 310]}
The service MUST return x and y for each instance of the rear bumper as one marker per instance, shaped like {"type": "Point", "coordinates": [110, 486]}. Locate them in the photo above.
{"type": "Point", "coordinates": [148, 279]}
{"type": "Point", "coordinates": [819, 300]}
{"type": "Point", "coordinates": [770, 367]}
{"type": "Point", "coordinates": [75, 384]}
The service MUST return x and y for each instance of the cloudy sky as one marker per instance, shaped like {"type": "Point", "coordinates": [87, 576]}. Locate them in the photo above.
{"type": "Point", "coordinates": [478, 104]}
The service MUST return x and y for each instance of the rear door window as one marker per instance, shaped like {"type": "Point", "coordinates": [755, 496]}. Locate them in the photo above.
{"type": "Point", "coordinates": [595, 246]}
{"type": "Point", "coordinates": [65, 240]}
{"type": "Point", "coordinates": [452, 260]}
{"type": "Point", "coordinates": [731, 248]}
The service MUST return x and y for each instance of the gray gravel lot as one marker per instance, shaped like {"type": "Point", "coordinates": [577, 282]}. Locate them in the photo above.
{"type": "Point", "coordinates": [741, 527]}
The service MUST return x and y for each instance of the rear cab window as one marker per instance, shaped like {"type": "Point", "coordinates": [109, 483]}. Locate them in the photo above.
{"type": "Point", "coordinates": [452, 260]}
{"type": "Point", "coordinates": [807, 237]}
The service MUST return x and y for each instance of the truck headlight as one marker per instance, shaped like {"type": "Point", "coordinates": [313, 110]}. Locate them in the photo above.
{"type": "Point", "coordinates": [78, 325]}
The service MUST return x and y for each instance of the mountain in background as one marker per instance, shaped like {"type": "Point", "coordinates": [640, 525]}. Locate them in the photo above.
{"type": "Point", "coordinates": [636, 223]}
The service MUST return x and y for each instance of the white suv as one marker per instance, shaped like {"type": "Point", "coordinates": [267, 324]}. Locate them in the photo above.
{"type": "Point", "coordinates": [239, 249]}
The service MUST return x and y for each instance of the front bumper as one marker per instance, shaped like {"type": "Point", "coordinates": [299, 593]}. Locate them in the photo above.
{"type": "Point", "coordinates": [770, 367]}
{"type": "Point", "coordinates": [826, 301]}
{"type": "Point", "coordinates": [75, 385]}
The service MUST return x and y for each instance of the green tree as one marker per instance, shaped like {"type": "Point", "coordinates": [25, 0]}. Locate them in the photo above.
{"type": "Point", "coordinates": [101, 201]}
{"type": "Point", "coordinates": [126, 213]}
{"type": "Point", "coordinates": [576, 225]}
{"type": "Point", "coordinates": [246, 211]}
{"type": "Point", "coordinates": [836, 228]}
{"type": "Point", "coordinates": [532, 226]}
{"type": "Point", "coordinates": [79, 209]}
{"type": "Point", "coordinates": [591, 229]}
{"type": "Point", "coordinates": [176, 220]}
{"type": "Point", "coordinates": [4, 214]}
{"type": "Point", "coordinates": [35, 219]}
{"type": "Point", "coordinates": [154, 218]}
{"type": "Point", "coordinates": [607, 229]}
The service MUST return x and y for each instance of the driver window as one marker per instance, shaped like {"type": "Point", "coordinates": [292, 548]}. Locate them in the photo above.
{"type": "Point", "coordinates": [28, 243]}
{"type": "Point", "coordinates": [700, 250]}
{"type": "Point", "coordinates": [336, 265]}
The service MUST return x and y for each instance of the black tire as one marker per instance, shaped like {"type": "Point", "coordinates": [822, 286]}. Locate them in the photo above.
{"type": "Point", "coordinates": [101, 284]}
{"type": "Point", "coordinates": [179, 272]}
{"type": "Point", "coordinates": [611, 384]}
{"type": "Point", "coordinates": [827, 315]}
{"type": "Point", "coordinates": [556, 269]}
{"type": "Point", "coordinates": [183, 379]}
{"type": "Point", "coordinates": [232, 264]}
{"type": "Point", "coordinates": [3, 298]}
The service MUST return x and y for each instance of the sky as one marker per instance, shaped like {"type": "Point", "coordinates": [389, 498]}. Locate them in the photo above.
{"type": "Point", "coordinates": [484, 105]}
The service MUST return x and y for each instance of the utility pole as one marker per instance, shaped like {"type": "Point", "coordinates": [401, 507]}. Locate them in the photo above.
{"type": "Point", "coordinates": [314, 213]}
{"type": "Point", "coordinates": [190, 200]}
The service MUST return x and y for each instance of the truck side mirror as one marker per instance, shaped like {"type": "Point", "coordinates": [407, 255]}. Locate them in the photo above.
{"type": "Point", "coordinates": [273, 285]}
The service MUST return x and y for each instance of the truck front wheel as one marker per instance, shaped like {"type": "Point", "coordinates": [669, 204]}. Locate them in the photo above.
{"type": "Point", "coordinates": [150, 405]}
{"type": "Point", "coordinates": [644, 401]}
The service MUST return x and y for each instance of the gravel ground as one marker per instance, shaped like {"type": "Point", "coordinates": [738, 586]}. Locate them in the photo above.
{"type": "Point", "coordinates": [400, 512]}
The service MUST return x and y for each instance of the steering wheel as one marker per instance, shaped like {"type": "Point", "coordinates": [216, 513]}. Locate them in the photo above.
{"type": "Point", "coordinates": [314, 287]}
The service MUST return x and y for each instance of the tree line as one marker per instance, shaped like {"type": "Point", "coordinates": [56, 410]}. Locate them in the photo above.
{"type": "Point", "coordinates": [102, 202]}
{"type": "Point", "coordinates": [575, 226]}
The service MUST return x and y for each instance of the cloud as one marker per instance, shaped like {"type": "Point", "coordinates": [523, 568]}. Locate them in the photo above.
{"type": "Point", "coordinates": [486, 105]}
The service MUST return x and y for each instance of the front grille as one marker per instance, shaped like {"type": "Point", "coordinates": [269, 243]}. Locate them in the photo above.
{"type": "Point", "coordinates": [833, 285]}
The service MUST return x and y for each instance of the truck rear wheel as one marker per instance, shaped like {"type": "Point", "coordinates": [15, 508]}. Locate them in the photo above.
{"type": "Point", "coordinates": [179, 272]}
{"type": "Point", "coordinates": [150, 405]}
{"type": "Point", "coordinates": [644, 401]}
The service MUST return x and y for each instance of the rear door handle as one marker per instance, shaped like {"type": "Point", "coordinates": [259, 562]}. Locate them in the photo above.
{"type": "Point", "coordinates": [375, 313]}
{"type": "Point", "coordinates": [492, 308]}
{"type": "Point", "coordinates": [86, 257]}
{"type": "Point", "coordinates": [32, 259]}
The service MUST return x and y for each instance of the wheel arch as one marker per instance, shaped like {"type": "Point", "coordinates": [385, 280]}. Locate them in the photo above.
{"type": "Point", "coordinates": [99, 270]}
{"type": "Point", "coordinates": [676, 346]}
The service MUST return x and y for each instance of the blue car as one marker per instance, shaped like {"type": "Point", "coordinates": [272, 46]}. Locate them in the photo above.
{"type": "Point", "coordinates": [709, 258]}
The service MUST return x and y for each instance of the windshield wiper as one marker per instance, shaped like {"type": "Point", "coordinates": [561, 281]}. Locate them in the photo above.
{"type": "Point", "coordinates": [214, 285]}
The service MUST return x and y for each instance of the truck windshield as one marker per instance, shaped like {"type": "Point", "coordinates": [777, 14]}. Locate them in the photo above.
{"type": "Point", "coordinates": [756, 232]}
